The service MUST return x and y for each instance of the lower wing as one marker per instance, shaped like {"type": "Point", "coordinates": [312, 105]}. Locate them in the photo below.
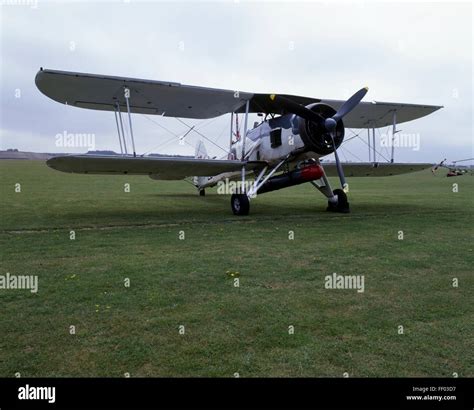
{"type": "Point", "coordinates": [369, 169]}
{"type": "Point", "coordinates": [170, 168]}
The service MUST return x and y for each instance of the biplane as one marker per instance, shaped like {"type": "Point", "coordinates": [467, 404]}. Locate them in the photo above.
{"type": "Point", "coordinates": [453, 170]}
{"type": "Point", "coordinates": [283, 150]}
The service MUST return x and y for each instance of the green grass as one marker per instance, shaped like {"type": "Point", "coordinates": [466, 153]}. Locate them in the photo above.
{"type": "Point", "coordinates": [189, 282]}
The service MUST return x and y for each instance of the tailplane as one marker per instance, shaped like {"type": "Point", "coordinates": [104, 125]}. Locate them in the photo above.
{"type": "Point", "coordinates": [201, 153]}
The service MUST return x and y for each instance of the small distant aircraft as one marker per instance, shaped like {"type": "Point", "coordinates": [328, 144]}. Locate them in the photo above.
{"type": "Point", "coordinates": [453, 170]}
{"type": "Point", "coordinates": [283, 150]}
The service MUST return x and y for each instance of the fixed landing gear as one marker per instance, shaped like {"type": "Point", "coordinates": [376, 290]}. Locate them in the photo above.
{"type": "Point", "coordinates": [202, 192]}
{"type": "Point", "coordinates": [342, 205]}
{"type": "Point", "coordinates": [240, 204]}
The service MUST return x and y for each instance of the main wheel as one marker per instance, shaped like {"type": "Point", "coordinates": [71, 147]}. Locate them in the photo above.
{"type": "Point", "coordinates": [342, 205]}
{"type": "Point", "coordinates": [240, 204]}
{"type": "Point", "coordinates": [202, 192]}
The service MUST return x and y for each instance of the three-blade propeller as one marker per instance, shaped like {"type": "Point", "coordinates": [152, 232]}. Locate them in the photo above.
{"type": "Point", "coordinates": [330, 124]}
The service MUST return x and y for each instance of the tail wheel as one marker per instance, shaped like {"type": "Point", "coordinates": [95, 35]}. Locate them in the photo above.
{"type": "Point", "coordinates": [342, 204]}
{"type": "Point", "coordinates": [240, 204]}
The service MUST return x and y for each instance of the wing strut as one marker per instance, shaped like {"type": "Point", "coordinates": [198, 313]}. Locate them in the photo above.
{"type": "Point", "coordinates": [118, 132]}
{"type": "Point", "coordinates": [117, 105]}
{"type": "Point", "coordinates": [368, 143]}
{"type": "Point", "coordinates": [373, 145]}
{"type": "Point", "coordinates": [244, 136]}
{"type": "Point", "coordinates": [394, 131]}
{"type": "Point", "coordinates": [231, 134]}
{"type": "Point", "coordinates": [126, 92]}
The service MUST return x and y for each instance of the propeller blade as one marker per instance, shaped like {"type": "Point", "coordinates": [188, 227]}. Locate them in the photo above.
{"type": "Point", "coordinates": [331, 124]}
{"type": "Point", "coordinates": [350, 104]}
{"type": "Point", "coordinates": [295, 108]}
{"type": "Point", "coordinates": [340, 171]}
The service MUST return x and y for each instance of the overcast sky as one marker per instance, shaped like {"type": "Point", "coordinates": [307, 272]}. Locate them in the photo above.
{"type": "Point", "coordinates": [404, 51]}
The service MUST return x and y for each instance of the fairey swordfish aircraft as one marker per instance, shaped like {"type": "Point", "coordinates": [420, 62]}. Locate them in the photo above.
{"type": "Point", "coordinates": [283, 150]}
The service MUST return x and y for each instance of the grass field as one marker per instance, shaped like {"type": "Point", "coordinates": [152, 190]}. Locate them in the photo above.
{"type": "Point", "coordinates": [190, 282]}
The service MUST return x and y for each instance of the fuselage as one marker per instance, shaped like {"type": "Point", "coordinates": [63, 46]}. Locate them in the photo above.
{"type": "Point", "coordinates": [272, 140]}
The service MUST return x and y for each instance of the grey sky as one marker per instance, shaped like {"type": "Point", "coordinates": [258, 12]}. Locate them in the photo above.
{"type": "Point", "coordinates": [405, 52]}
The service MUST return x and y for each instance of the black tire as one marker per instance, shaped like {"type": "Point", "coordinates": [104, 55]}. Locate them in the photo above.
{"type": "Point", "coordinates": [240, 204]}
{"type": "Point", "coordinates": [202, 192]}
{"type": "Point", "coordinates": [342, 205]}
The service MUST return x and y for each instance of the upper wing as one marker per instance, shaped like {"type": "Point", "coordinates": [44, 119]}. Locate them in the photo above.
{"type": "Point", "coordinates": [378, 114]}
{"type": "Point", "coordinates": [102, 92]}
{"type": "Point", "coordinates": [368, 169]}
{"type": "Point", "coordinates": [172, 168]}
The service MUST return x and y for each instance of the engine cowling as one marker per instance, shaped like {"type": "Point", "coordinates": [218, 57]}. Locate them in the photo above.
{"type": "Point", "coordinates": [315, 136]}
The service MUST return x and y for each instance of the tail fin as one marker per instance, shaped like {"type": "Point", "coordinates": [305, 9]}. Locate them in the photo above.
{"type": "Point", "coordinates": [201, 152]}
